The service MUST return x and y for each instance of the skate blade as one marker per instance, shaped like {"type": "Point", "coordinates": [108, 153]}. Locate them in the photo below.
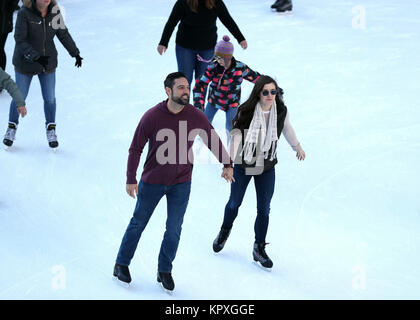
{"type": "Point", "coordinates": [121, 283]}
{"type": "Point", "coordinates": [285, 13]}
{"type": "Point", "coordinates": [6, 148]}
{"type": "Point", "coordinates": [168, 292]}
{"type": "Point", "coordinates": [260, 266]}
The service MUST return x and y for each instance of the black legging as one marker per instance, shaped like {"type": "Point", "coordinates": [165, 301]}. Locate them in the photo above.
{"type": "Point", "coordinates": [3, 38]}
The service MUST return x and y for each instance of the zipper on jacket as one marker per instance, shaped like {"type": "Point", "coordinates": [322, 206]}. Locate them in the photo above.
{"type": "Point", "coordinates": [45, 40]}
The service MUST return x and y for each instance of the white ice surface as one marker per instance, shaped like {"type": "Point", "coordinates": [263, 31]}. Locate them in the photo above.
{"type": "Point", "coordinates": [344, 223]}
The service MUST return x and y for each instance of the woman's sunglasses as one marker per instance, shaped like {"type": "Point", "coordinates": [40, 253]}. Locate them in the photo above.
{"type": "Point", "coordinates": [266, 92]}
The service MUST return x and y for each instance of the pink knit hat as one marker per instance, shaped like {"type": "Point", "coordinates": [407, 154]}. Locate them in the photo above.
{"type": "Point", "coordinates": [224, 48]}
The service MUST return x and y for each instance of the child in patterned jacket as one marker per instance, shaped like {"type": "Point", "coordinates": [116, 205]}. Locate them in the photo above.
{"type": "Point", "coordinates": [224, 75]}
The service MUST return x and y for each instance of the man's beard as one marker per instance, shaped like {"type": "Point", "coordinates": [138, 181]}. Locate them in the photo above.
{"type": "Point", "coordinates": [182, 100]}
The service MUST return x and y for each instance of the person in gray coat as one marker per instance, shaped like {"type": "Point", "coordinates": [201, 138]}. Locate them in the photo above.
{"type": "Point", "coordinates": [37, 23]}
{"type": "Point", "coordinates": [11, 87]}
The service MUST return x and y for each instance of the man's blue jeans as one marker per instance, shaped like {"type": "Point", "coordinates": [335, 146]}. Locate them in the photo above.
{"type": "Point", "coordinates": [264, 187]}
{"type": "Point", "coordinates": [188, 62]}
{"type": "Point", "coordinates": [149, 195]}
{"type": "Point", "coordinates": [47, 81]}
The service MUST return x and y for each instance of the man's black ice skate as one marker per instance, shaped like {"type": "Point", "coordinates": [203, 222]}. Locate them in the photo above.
{"type": "Point", "coordinates": [260, 255]}
{"type": "Point", "coordinates": [285, 5]}
{"type": "Point", "coordinates": [122, 273]}
{"type": "Point", "coordinates": [52, 136]}
{"type": "Point", "coordinates": [9, 137]}
{"type": "Point", "coordinates": [221, 239]}
{"type": "Point", "coordinates": [166, 279]}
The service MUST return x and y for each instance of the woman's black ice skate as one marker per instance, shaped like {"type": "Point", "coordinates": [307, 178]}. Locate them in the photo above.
{"type": "Point", "coordinates": [260, 255]}
{"type": "Point", "coordinates": [221, 239]}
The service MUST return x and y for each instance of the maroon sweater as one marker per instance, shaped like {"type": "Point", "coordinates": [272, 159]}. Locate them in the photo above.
{"type": "Point", "coordinates": [170, 138]}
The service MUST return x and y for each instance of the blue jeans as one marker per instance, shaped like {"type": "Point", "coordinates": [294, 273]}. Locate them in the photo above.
{"type": "Point", "coordinates": [149, 195]}
{"type": "Point", "coordinates": [188, 62]}
{"type": "Point", "coordinates": [47, 81]}
{"type": "Point", "coordinates": [264, 187]}
{"type": "Point", "coordinates": [210, 112]}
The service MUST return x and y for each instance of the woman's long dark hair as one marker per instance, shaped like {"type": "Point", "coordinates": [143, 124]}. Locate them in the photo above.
{"type": "Point", "coordinates": [193, 4]}
{"type": "Point", "coordinates": [246, 110]}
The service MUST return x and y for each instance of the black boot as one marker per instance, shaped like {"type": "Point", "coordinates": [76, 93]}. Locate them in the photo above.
{"type": "Point", "coordinates": [166, 279]}
{"type": "Point", "coordinates": [277, 3]}
{"type": "Point", "coordinates": [286, 5]}
{"type": "Point", "coordinates": [260, 255]}
{"type": "Point", "coordinates": [220, 240]}
{"type": "Point", "coordinates": [122, 273]}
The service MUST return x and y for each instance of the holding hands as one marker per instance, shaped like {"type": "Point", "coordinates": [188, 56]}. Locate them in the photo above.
{"type": "Point", "coordinates": [227, 174]}
{"type": "Point", "coordinates": [132, 190]}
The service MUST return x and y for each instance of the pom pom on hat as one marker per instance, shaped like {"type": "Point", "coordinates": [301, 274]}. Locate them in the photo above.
{"type": "Point", "coordinates": [224, 48]}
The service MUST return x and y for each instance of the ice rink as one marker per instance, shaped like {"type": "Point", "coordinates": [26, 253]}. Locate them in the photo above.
{"type": "Point", "coordinates": [344, 223]}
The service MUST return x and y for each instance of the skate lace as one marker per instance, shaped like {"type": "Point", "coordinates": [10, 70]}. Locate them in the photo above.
{"type": "Point", "coordinates": [10, 134]}
{"type": "Point", "coordinates": [51, 136]}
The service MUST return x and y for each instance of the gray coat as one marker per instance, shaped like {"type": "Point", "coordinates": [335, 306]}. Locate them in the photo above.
{"type": "Point", "coordinates": [34, 38]}
{"type": "Point", "coordinates": [7, 83]}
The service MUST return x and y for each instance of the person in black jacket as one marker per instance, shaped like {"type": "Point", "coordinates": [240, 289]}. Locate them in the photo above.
{"type": "Point", "coordinates": [38, 22]}
{"type": "Point", "coordinates": [7, 7]}
{"type": "Point", "coordinates": [197, 33]}
{"type": "Point", "coordinates": [257, 127]}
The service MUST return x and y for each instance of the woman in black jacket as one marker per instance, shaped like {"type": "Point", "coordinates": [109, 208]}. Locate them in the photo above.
{"type": "Point", "coordinates": [257, 127]}
{"type": "Point", "coordinates": [7, 7]}
{"type": "Point", "coordinates": [37, 23]}
{"type": "Point", "coordinates": [197, 33]}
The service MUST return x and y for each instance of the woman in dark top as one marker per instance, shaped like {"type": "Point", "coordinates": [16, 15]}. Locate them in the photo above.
{"type": "Point", "coordinates": [197, 33]}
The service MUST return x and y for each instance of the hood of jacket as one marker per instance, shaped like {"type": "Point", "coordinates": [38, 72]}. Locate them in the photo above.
{"type": "Point", "coordinates": [31, 4]}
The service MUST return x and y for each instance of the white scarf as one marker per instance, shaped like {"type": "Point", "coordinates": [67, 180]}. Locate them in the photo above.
{"type": "Point", "coordinates": [259, 135]}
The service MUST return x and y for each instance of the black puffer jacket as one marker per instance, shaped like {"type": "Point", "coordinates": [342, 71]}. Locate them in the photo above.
{"type": "Point", "coordinates": [7, 7]}
{"type": "Point", "coordinates": [34, 38]}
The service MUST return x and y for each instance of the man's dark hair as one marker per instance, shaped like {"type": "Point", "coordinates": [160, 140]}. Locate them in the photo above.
{"type": "Point", "coordinates": [170, 79]}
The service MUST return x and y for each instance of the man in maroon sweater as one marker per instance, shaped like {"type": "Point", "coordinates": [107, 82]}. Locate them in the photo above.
{"type": "Point", "coordinates": [170, 128]}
